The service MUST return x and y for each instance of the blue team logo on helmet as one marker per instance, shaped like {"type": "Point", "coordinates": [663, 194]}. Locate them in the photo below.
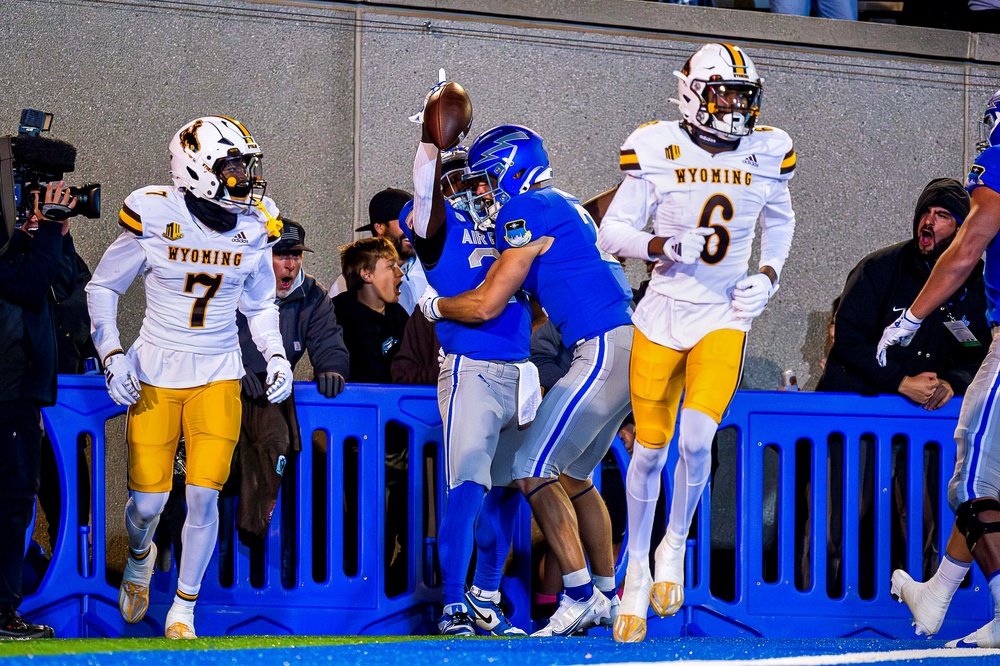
{"type": "Point", "coordinates": [516, 234]}
{"type": "Point", "coordinates": [512, 159]}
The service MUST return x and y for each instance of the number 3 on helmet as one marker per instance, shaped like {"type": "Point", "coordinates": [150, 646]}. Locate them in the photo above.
{"type": "Point", "coordinates": [205, 148]}
{"type": "Point", "coordinates": [720, 91]}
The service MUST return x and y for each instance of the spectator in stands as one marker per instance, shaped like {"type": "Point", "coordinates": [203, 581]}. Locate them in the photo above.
{"type": "Point", "coordinates": [383, 216]}
{"type": "Point", "coordinates": [270, 432]}
{"type": "Point", "coordinates": [941, 361]}
{"type": "Point", "coordinates": [835, 9]}
{"type": "Point", "coordinates": [32, 257]}
{"type": "Point", "coordinates": [973, 489]}
{"type": "Point", "coordinates": [369, 311]}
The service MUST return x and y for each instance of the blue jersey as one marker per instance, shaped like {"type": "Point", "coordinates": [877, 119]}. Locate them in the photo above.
{"type": "Point", "coordinates": [985, 172]}
{"type": "Point", "coordinates": [583, 291]}
{"type": "Point", "coordinates": [465, 259]}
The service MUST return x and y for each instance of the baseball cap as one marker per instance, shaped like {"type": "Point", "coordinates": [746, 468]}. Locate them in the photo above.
{"type": "Point", "coordinates": [385, 206]}
{"type": "Point", "coordinates": [292, 239]}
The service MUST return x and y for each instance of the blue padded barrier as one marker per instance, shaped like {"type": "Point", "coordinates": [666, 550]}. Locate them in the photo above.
{"type": "Point", "coordinates": [77, 600]}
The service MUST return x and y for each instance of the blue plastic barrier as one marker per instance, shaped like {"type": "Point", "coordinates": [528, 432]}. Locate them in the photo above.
{"type": "Point", "coordinates": [76, 598]}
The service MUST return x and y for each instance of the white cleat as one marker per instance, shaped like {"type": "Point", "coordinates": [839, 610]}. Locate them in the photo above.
{"type": "Point", "coordinates": [927, 608]}
{"type": "Point", "coordinates": [180, 623]}
{"type": "Point", "coordinates": [573, 616]}
{"type": "Point", "coordinates": [987, 636]}
{"type": "Point", "coordinates": [630, 625]}
{"type": "Point", "coordinates": [667, 595]}
{"type": "Point", "coordinates": [609, 621]}
{"type": "Point", "coordinates": [133, 593]}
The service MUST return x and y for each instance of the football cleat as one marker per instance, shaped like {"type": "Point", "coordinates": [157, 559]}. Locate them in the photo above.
{"type": "Point", "coordinates": [133, 593]}
{"type": "Point", "coordinates": [456, 621]}
{"type": "Point", "coordinates": [667, 595]}
{"type": "Point", "coordinates": [927, 608]}
{"type": "Point", "coordinates": [488, 616]}
{"type": "Point", "coordinates": [609, 621]}
{"type": "Point", "coordinates": [630, 625]}
{"type": "Point", "coordinates": [180, 623]}
{"type": "Point", "coordinates": [573, 616]}
{"type": "Point", "coordinates": [987, 636]}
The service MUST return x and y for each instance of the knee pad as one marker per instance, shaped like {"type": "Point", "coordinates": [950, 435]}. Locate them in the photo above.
{"type": "Point", "coordinates": [968, 522]}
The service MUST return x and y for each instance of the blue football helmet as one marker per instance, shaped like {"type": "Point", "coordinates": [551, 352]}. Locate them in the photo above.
{"type": "Point", "coordinates": [989, 130]}
{"type": "Point", "coordinates": [511, 158]}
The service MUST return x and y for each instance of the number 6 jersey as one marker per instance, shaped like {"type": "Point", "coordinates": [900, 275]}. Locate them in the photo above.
{"type": "Point", "coordinates": [195, 279]}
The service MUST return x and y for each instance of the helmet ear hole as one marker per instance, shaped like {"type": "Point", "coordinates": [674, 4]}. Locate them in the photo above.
{"type": "Point", "coordinates": [520, 174]}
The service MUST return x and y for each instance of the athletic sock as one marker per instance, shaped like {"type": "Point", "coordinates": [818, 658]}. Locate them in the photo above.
{"type": "Point", "coordinates": [456, 538]}
{"type": "Point", "coordinates": [494, 531]}
{"type": "Point", "coordinates": [578, 585]}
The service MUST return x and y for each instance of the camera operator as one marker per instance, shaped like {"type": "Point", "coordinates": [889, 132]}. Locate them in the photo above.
{"type": "Point", "coordinates": [30, 263]}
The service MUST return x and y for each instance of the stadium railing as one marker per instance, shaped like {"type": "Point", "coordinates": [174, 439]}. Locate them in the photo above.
{"type": "Point", "coordinates": [352, 549]}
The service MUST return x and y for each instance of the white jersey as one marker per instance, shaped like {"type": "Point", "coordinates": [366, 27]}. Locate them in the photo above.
{"type": "Point", "coordinates": [195, 279]}
{"type": "Point", "coordinates": [681, 186]}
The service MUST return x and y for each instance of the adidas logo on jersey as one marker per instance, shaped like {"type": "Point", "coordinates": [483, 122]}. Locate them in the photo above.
{"type": "Point", "coordinates": [752, 160]}
{"type": "Point", "coordinates": [241, 238]}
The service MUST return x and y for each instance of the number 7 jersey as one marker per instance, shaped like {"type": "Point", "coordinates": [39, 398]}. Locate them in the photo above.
{"type": "Point", "coordinates": [195, 279]}
{"type": "Point", "coordinates": [682, 186]}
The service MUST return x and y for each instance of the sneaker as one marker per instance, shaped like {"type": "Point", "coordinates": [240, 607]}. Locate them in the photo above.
{"type": "Point", "coordinates": [630, 625]}
{"type": "Point", "coordinates": [987, 636]}
{"type": "Point", "coordinates": [667, 595]}
{"type": "Point", "coordinates": [488, 615]}
{"type": "Point", "coordinates": [609, 621]}
{"type": "Point", "coordinates": [927, 608]}
{"type": "Point", "coordinates": [180, 623]}
{"type": "Point", "coordinates": [573, 616]}
{"type": "Point", "coordinates": [133, 594]}
{"type": "Point", "coordinates": [456, 621]}
{"type": "Point", "coordinates": [15, 627]}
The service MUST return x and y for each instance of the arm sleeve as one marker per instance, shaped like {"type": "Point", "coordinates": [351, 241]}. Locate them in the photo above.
{"type": "Point", "coordinates": [257, 304]}
{"type": "Point", "coordinates": [424, 174]}
{"type": "Point", "coordinates": [777, 226]}
{"type": "Point", "coordinates": [621, 232]}
{"type": "Point", "coordinates": [123, 261]}
{"type": "Point", "coordinates": [325, 338]}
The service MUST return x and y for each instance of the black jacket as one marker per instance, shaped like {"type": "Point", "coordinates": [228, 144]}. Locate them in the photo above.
{"type": "Point", "coordinates": [29, 267]}
{"type": "Point", "coordinates": [877, 290]}
{"type": "Point", "coordinates": [372, 338]}
{"type": "Point", "coordinates": [307, 322]}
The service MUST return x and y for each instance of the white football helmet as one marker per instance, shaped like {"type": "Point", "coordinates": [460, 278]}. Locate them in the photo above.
{"type": "Point", "coordinates": [204, 148]}
{"type": "Point", "coordinates": [720, 91]}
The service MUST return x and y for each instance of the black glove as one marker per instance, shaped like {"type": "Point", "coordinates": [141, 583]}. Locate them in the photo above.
{"type": "Point", "coordinates": [330, 384]}
{"type": "Point", "coordinates": [251, 385]}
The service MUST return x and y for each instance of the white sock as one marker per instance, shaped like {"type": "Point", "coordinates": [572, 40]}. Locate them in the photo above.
{"type": "Point", "coordinates": [606, 584]}
{"type": "Point", "coordinates": [948, 577]}
{"type": "Point", "coordinates": [576, 578]}
{"type": "Point", "coordinates": [995, 591]}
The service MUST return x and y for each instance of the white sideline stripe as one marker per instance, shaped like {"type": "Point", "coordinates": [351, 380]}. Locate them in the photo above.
{"type": "Point", "coordinates": [824, 659]}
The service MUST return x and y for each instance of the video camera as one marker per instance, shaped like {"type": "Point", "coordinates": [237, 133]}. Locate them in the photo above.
{"type": "Point", "coordinates": [28, 162]}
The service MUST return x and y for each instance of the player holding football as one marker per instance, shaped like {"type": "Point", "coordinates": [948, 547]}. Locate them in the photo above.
{"type": "Point", "coordinates": [203, 249]}
{"type": "Point", "coordinates": [704, 181]}
{"type": "Point", "coordinates": [484, 377]}
{"type": "Point", "coordinates": [547, 243]}
{"type": "Point", "coordinates": [975, 487]}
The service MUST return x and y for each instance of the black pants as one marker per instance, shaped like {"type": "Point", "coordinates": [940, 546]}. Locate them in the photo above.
{"type": "Point", "coordinates": [20, 462]}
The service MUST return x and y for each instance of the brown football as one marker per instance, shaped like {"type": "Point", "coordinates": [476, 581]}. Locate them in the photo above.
{"type": "Point", "coordinates": [448, 115]}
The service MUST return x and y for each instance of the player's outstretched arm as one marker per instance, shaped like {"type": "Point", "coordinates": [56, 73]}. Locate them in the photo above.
{"type": "Point", "coordinates": [503, 280]}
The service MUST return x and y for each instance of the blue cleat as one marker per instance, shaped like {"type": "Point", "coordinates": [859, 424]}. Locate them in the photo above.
{"type": "Point", "coordinates": [456, 621]}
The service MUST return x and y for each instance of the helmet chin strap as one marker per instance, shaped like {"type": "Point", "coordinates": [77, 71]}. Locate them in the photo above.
{"type": "Point", "coordinates": [706, 139]}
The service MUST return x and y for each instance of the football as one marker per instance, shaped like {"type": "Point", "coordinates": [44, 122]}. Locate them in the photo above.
{"type": "Point", "coordinates": [447, 115]}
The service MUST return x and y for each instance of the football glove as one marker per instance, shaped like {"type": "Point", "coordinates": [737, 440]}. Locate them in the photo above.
{"type": "Point", "coordinates": [279, 379]}
{"type": "Point", "coordinates": [428, 304]}
{"type": "Point", "coordinates": [252, 388]}
{"type": "Point", "coordinates": [330, 384]}
{"type": "Point", "coordinates": [751, 296]}
{"type": "Point", "coordinates": [120, 378]}
{"type": "Point", "coordinates": [686, 247]}
{"type": "Point", "coordinates": [899, 332]}
{"type": "Point", "coordinates": [418, 117]}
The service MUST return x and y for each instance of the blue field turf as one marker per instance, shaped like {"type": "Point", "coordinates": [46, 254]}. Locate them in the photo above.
{"type": "Point", "coordinates": [539, 652]}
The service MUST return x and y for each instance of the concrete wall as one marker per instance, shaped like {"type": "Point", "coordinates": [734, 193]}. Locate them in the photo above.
{"type": "Point", "coordinates": [876, 110]}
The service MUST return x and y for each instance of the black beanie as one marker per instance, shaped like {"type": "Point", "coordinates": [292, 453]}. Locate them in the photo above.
{"type": "Point", "coordinates": [947, 193]}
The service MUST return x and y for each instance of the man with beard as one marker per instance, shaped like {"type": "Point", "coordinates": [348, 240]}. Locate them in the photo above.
{"type": "Point", "coordinates": [944, 356]}
{"type": "Point", "coordinates": [383, 216]}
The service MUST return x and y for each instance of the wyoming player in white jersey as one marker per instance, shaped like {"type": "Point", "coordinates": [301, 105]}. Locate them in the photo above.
{"type": "Point", "coordinates": [704, 181]}
{"type": "Point", "coordinates": [203, 248]}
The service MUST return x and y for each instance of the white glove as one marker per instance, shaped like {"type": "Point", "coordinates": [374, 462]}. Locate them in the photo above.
{"type": "Point", "coordinates": [686, 247]}
{"type": "Point", "coordinates": [120, 378]}
{"type": "Point", "coordinates": [279, 379]}
{"type": "Point", "coordinates": [441, 356]}
{"type": "Point", "coordinates": [428, 304]}
{"type": "Point", "coordinates": [751, 296]}
{"type": "Point", "coordinates": [899, 332]}
{"type": "Point", "coordinates": [418, 117]}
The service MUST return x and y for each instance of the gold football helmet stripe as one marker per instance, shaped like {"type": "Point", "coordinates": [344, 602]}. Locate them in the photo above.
{"type": "Point", "coordinates": [739, 64]}
{"type": "Point", "coordinates": [130, 220]}
{"type": "Point", "coordinates": [246, 132]}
